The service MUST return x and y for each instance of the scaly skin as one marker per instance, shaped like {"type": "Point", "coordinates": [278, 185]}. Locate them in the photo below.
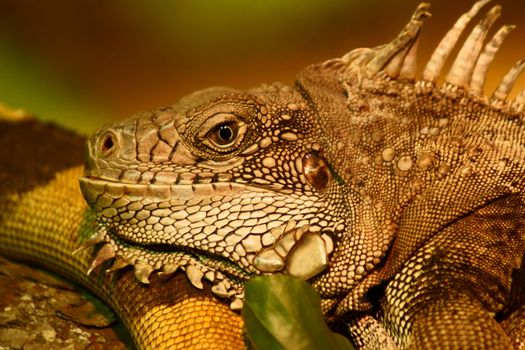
{"type": "Point", "coordinates": [400, 200]}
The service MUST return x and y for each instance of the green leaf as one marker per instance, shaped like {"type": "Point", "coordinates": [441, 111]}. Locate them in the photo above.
{"type": "Point", "coordinates": [283, 312]}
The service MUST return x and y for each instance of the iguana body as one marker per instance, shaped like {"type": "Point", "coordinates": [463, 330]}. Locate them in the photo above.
{"type": "Point", "coordinates": [401, 200]}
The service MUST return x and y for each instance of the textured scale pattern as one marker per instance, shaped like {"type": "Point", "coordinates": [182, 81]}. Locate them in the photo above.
{"type": "Point", "coordinates": [401, 199]}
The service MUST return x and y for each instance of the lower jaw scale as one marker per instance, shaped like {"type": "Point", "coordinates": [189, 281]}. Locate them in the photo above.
{"type": "Point", "coordinates": [195, 271]}
{"type": "Point", "coordinates": [195, 276]}
{"type": "Point", "coordinates": [300, 253]}
{"type": "Point", "coordinates": [237, 304]}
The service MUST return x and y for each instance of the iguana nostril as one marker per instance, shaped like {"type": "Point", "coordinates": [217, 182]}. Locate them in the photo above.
{"type": "Point", "coordinates": [107, 144]}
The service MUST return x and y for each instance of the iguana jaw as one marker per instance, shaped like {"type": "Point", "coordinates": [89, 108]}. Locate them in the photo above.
{"type": "Point", "coordinates": [193, 242]}
{"type": "Point", "coordinates": [124, 247]}
{"type": "Point", "coordinates": [226, 277]}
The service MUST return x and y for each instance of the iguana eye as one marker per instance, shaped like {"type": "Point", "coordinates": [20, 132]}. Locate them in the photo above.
{"type": "Point", "coordinates": [224, 134]}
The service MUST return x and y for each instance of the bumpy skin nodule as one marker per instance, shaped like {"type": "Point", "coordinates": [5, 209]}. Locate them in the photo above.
{"type": "Point", "coordinates": [401, 200]}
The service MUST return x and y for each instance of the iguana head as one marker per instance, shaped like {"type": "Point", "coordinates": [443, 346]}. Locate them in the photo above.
{"type": "Point", "coordinates": [320, 180]}
{"type": "Point", "coordinates": [225, 184]}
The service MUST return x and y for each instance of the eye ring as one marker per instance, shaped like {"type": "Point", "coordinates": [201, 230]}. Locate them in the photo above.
{"type": "Point", "coordinates": [223, 133]}
{"type": "Point", "coordinates": [224, 136]}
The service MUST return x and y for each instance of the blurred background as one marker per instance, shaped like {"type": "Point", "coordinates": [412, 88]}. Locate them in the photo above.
{"type": "Point", "coordinates": [85, 63]}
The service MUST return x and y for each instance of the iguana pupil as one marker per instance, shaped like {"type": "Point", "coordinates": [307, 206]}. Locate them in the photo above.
{"type": "Point", "coordinates": [225, 133]}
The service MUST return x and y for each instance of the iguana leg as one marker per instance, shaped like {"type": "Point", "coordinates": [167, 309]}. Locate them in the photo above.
{"type": "Point", "coordinates": [449, 293]}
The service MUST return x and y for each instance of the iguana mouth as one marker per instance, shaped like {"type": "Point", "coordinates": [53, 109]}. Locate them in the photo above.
{"type": "Point", "coordinates": [163, 255]}
{"type": "Point", "coordinates": [222, 232]}
{"type": "Point", "coordinates": [225, 276]}
{"type": "Point", "coordinates": [157, 251]}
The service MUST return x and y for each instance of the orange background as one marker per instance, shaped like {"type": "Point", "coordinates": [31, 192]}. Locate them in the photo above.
{"type": "Point", "coordinates": [87, 62]}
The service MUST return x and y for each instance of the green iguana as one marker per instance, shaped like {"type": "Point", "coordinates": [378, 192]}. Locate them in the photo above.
{"type": "Point", "coordinates": [400, 198]}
